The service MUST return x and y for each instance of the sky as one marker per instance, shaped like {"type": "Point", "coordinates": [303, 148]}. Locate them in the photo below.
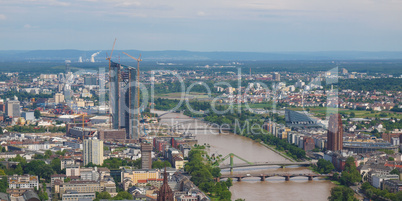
{"type": "Point", "coordinates": [202, 25]}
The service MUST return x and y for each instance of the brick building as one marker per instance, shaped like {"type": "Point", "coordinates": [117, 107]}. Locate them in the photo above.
{"type": "Point", "coordinates": [308, 144]}
{"type": "Point", "coordinates": [335, 133]}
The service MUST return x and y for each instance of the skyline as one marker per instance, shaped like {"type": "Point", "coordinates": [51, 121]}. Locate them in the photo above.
{"type": "Point", "coordinates": [252, 26]}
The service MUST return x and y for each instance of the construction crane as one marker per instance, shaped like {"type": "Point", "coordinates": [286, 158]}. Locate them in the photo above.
{"type": "Point", "coordinates": [138, 83]}
{"type": "Point", "coordinates": [83, 119]}
{"type": "Point", "coordinates": [110, 63]}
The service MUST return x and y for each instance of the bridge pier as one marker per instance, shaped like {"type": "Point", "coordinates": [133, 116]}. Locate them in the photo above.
{"type": "Point", "coordinates": [239, 178]}
{"type": "Point", "coordinates": [287, 178]}
{"type": "Point", "coordinates": [262, 178]}
{"type": "Point", "coordinates": [310, 178]}
{"type": "Point", "coordinates": [218, 179]}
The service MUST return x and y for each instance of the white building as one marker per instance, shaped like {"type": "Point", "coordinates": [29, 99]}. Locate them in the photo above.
{"type": "Point", "coordinates": [23, 181]}
{"type": "Point", "coordinates": [93, 151]}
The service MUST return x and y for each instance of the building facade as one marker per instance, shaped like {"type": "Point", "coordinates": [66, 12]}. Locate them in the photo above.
{"type": "Point", "coordinates": [335, 133]}
{"type": "Point", "coordinates": [13, 108]}
{"type": "Point", "coordinates": [146, 155]}
{"type": "Point", "coordinates": [93, 151]}
{"type": "Point", "coordinates": [133, 176]}
{"type": "Point", "coordinates": [23, 182]}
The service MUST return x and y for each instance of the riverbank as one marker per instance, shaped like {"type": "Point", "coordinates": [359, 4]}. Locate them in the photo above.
{"type": "Point", "coordinates": [278, 152]}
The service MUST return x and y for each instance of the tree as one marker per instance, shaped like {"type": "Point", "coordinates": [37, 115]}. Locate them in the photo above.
{"type": "Point", "coordinates": [3, 184]}
{"type": "Point", "coordinates": [48, 153]}
{"type": "Point", "coordinates": [123, 195]}
{"type": "Point", "coordinates": [61, 153]}
{"type": "Point", "coordinates": [395, 171]}
{"type": "Point", "coordinates": [342, 193]}
{"type": "Point", "coordinates": [103, 195]}
{"type": "Point", "coordinates": [1, 130]}
{"type": "Point", "coordinates": [39, 168]}
{"type": "Point", "coordinates": [324, 166]}
{"type": "Point", "coordinates": [229, 182]}
{"type": "Point", "coordinates": [37, 114]}
{"type": "Point", "coordinates": [350, 175]}
{"type": "Point", "coordinates": [20, 159]}
{"type": "Point", "coordinates": [90, 164]}
{"type": "Point", "coordinates": [216, 172]}
{"type": "Point", "coordinates": [18, 170]}
{"type": "Point", "coordinates": [56, 165]}
{"type": "Point", "coordinates": [160, 164]}
{"type": "Point", "coordinates": [42, 193]}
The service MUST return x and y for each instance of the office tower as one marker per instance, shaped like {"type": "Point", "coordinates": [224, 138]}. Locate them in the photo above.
{"type": "Point", "coordinates": [165, 192]}
{"type": "Point", "coordinates": [93, 151]}
{"type": "Point", "coordinates": [335, 133]}
{"type": "Point", "coordinates": [114, 94]}
{"type": "Point", "coordinates": [276, 77]}
{"type": "Point", "coordinates": [146, 156]}
{"type": "Point", "coordinates": [124, 99]}
{"type": "Point", "coordinates": [58, 98]}
{"type": "Point", "coordinates": [90, 81]}
{"type": "Point", "coordinates": [132, 115]}
{"type": "Point", "coordinates": [2, 106]}
{"type": "Point", "coordinates": [13, 108]}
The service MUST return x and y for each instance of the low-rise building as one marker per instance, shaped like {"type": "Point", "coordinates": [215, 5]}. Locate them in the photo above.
{"type": "Point", "coordinates": [23, 182]}
{"type": "Point", "coordinates": [81, 187]}
{"type": "Point", "coordinates": [55, 177]}
{"type": "Point", "coordinates": [378, 180]}
{"type": "Point", "coordinates": [393, 186]}
{"type": "Point", "coordinates": [72, 170]}
{"type": "Point", "coordinates": [129, 176]}
{"type": "Point", "coordinates": [75, 196]}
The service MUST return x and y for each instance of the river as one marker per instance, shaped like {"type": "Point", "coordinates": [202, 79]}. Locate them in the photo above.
{"type": "Point", "coordinates": [251, 189]}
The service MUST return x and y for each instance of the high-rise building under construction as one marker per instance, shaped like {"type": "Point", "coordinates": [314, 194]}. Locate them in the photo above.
{"type": "Point", "coordinates": [123, 99]}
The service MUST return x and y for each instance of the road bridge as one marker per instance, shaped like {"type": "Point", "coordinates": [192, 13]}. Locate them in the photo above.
{"type": "Point", "coordinates": [263, 177]}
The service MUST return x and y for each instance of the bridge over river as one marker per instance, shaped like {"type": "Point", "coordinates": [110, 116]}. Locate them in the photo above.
{"type": "Point", "coordinates": [255, 152]}
{"type": "Point", "coordinates": [279, 163]}
{"type": "Point", "coordinates": [287, 176]}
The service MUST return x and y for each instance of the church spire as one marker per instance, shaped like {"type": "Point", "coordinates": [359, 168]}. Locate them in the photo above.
{"type": "Point", "coordinates": [165, 192]}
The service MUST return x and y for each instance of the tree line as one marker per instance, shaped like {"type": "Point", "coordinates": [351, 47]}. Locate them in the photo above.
{"type": "Point", "coordinates": [203, 174]}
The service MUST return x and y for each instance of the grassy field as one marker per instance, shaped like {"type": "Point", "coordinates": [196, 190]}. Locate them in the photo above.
{"type": "Point", "coordinates": [177, 96]}
{"type": "Point", "coordinates": [321, 112]}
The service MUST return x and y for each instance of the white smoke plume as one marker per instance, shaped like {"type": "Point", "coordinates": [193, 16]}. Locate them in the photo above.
{"type": "Point", "coordinates": [93, 56]}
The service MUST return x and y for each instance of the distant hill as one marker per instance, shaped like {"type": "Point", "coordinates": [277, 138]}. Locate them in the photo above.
{"type": "Point", "coordinates": [174, 55]}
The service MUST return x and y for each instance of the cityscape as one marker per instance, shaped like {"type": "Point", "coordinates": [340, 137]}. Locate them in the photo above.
{"type": "Point", "coordinates": [200, 101]}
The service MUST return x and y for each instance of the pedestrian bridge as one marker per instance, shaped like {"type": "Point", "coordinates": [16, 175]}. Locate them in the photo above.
{"type": "Point", "coordinates": [278, 163]}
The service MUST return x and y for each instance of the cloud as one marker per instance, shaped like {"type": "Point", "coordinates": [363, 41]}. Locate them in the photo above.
{"type": "Point", "coordinates": [37, 2]}
{"type": "Point", "coordinates": [27, 26]}
{"type": "Point", "coordinates": [3, 17]}
{"type": "Point", "coordinates": [128, 3]}
{"type": "Point", "coordinates": [59, 3]}
{"type": "Point", "coordinates": [201, 13]}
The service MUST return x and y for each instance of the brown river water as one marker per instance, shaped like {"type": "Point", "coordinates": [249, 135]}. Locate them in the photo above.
{"type": "Point", "coordinates": [251, 188]}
